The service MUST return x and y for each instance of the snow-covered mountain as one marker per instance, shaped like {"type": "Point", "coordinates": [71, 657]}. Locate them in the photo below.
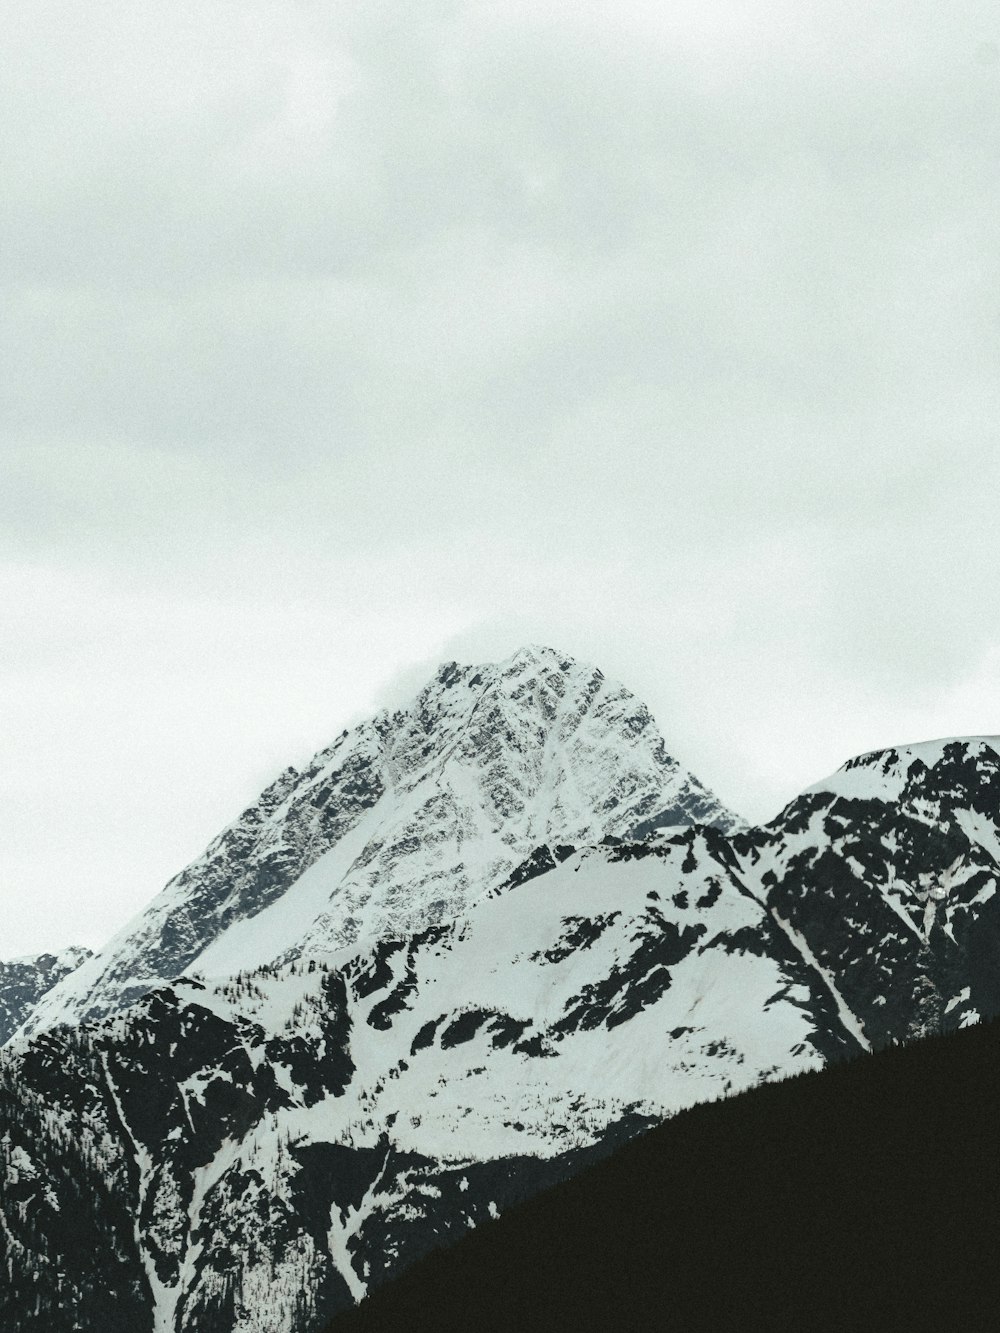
{"type": "Point", "coordinates": [23, 982]}
{"type": "Point", "coordinates": [403, 822]}
{"type": "Point", "coordinates": [476, 943]}
{"type": "Point", "coordinates": [289, 1137]}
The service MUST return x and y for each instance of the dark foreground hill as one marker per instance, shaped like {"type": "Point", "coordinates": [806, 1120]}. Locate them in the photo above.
{"type": "Point", "coordinates": [864, 1197]}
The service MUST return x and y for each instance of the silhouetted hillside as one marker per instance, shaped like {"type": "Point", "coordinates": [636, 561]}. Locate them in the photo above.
{"type": "Point", "coordinates": [865, 1197]}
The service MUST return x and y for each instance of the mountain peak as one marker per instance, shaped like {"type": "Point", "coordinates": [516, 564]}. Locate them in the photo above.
{"type": "Point", "coordinates": [404, 822]}
{"type": "Point", "coordinates": [529, 657]}
{"type": "Point", "coordinates": [538, 654]}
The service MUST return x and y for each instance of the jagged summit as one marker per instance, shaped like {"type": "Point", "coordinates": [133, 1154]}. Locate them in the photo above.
{"type": "Point", "coordinates": [541, 654]}
{"type": "Point", "coordinates": [403, 822]}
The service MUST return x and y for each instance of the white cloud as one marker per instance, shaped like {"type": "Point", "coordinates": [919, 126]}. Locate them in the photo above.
{"type": "Point", "coordinates": [340, 338]}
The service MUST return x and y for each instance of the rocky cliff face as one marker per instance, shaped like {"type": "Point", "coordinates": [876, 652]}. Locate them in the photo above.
{"type": "Point", "coordinates": [885, 877]}
{"type": "Point", "coordinates": [23, 982]}
{"type": "Point", "coordinates": [403, 822]}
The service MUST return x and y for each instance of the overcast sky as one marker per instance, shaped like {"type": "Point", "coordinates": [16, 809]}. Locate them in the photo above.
{"type": "Point", "coordinates": [342, 338]}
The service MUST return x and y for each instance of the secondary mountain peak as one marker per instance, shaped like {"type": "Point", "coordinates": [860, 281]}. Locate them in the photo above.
{"type": "Point", "coordinates": [957, 762]}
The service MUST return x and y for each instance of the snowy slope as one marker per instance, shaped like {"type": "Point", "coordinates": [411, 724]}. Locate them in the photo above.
{"type": "Point", "coordinates": [402, 823]}
{"type": "Point", "coordinates": [297, 1134]}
